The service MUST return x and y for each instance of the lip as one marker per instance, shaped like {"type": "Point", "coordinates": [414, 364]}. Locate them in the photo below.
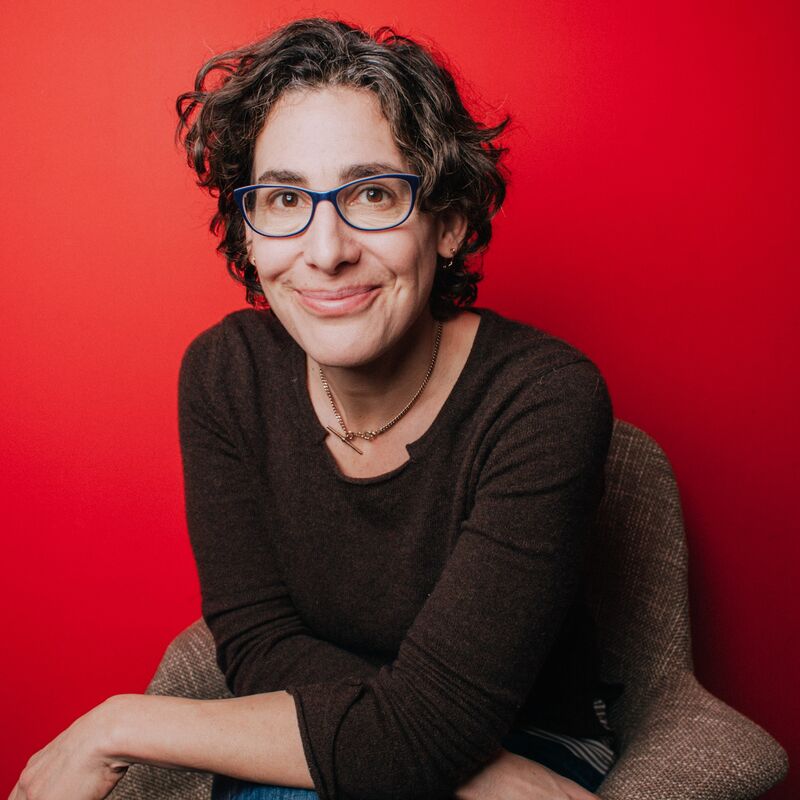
{"type": "Point", "coordinates": [339, 302]}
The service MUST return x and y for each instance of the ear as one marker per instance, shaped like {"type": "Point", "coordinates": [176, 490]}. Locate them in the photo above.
{"type": "Point", "coordinates": [451, 229]}
{"type": "Point", "coordinates": [248, 243]}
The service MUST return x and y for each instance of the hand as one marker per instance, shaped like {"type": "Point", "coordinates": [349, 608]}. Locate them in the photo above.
{"type": "Point", "coordinates": [74, 766]}
{"type": "Point", "coordinates": [512, 777]}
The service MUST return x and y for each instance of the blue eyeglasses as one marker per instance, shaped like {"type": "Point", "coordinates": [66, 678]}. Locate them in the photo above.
{"type": "Point", "coordinates": [377, 203]}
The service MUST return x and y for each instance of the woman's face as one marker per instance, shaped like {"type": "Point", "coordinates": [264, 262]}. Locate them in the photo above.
{"type": "Point", "coordinates": [323, 138]}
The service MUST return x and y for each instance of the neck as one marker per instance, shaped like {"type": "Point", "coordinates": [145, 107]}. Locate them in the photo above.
{"type": "Point", "coordinates": [368, 395]}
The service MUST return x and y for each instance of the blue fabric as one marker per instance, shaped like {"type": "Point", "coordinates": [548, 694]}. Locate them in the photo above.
{"type": "Point", "coordinates": [552, 755]}
{"type": "Point", "coordinates": [230, 789]}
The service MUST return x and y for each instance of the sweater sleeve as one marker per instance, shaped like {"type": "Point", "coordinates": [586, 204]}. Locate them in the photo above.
{"type": "Point", "coordinates": [437, 714]}
{"type": "Point", "coordinates": [262, 643]}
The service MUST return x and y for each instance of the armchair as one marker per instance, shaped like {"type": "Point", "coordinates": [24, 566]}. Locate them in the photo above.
{"type": "Point", "coordinates": [677, 741]}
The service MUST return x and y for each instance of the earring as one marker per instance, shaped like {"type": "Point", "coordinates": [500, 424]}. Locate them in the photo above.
{"type": "Point", "coordinates": [449, 264]}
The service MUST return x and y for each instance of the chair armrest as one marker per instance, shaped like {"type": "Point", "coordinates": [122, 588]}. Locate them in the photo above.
{"type": "Point", "coordinates": [188, 669]}
{"type": "Point", "coordinates": [690, 745]}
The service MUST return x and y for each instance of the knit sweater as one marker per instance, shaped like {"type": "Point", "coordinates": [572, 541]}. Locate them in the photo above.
{"type": "Point", "coordinates": [419, 616]}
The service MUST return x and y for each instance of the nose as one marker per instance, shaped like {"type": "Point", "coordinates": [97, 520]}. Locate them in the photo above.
{"type": "Point", "coordinates": [329, 244]}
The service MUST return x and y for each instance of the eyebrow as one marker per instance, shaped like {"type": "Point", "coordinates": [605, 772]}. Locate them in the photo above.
{"type": "Point", "coordinates": [351, 173]}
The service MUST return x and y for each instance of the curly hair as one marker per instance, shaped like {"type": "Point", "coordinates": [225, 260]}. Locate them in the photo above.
{"type": "Point", "coordinates": [456, 156]}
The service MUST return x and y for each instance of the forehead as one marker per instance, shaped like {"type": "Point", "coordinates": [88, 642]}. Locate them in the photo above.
{"type": "Point", "coordinates": [321, 134]}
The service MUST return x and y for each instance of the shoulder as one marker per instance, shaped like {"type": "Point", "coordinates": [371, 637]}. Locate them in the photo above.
{"type": "Point", "coordinates": [520, 358]}
{"type": "Point", "coordinates": [235, 345]}
{"type": "Point", "coordinates": [230, 373]}
{"type": "Point", "coordinates": [235, 368]}
{"type": "Point", "coordinates": [235, 332]}
{"type": "Point", "coordinates": [546, 401]}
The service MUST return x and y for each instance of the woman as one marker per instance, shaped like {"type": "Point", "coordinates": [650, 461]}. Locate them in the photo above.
{"type": "Point", "coordinates": [388, 492]}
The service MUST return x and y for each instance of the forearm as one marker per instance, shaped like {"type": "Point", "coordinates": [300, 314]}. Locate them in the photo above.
{"type": "Point", "coordinates": [254, 738]}
{"type": "Point", "coordinates": [271, 663]}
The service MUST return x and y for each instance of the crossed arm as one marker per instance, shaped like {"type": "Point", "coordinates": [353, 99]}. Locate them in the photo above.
{"type": "Point", "coordinates": [255, 738]}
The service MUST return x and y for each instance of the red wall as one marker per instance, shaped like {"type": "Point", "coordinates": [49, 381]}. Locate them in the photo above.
{"type": "Point", "coordinates": [649, 223]}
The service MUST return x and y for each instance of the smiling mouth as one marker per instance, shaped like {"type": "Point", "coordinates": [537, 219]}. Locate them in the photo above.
{"type": "Point", "coordinates": [339, 294]}
{"type": "Point", "coordinates": [337, 303]}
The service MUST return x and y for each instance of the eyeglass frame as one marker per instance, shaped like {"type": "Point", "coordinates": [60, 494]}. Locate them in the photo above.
{"type": "Point", "coordinates": [317, 197]}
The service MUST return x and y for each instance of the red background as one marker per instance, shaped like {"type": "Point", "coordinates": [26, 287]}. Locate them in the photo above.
{"type": "Point", "coordinates": [650, 223]}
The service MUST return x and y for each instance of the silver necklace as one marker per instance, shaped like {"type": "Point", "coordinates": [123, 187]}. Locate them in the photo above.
{"type": "Point", "coordinates": [348, 435]}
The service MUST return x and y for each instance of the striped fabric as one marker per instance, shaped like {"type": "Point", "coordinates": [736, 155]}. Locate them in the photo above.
{"type": "Point", "coordinates": [596, 752]}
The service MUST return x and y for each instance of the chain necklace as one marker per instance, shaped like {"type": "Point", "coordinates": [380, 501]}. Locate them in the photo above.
{"type": "Point", "coordinates": [348, 435]}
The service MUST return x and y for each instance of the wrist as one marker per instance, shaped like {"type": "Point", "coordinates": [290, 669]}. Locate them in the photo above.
{"type": "Point", "coordinates": [113, 726]}
{"type": "Point", "coordinates": [483, 783]}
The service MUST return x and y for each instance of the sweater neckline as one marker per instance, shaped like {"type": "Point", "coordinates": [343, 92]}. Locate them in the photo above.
{"type": "Point", "coordinates": [315, 433]}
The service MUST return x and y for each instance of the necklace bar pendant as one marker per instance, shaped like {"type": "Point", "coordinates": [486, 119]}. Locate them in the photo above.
{"type": "Point", "coordinates": [345, 440]}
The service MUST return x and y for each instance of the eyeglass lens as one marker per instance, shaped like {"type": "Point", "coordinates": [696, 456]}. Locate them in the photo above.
{"type": "Point", "coordinates": [370, 204]}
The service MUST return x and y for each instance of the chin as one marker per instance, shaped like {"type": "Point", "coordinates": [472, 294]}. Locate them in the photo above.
{"type": "Point", "coordinates": [344, 352]}
{"type": "Point", "coordinates": [347, 340]}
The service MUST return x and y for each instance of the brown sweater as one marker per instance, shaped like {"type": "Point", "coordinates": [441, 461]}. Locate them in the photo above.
{"type": "Point", "coordinates": [417, 616]}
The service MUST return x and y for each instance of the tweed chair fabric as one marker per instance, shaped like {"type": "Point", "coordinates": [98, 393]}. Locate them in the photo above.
{"type": "Point", "coordinates": [677, 741]}
{"type": "Point", "coordinates": [188, 669]}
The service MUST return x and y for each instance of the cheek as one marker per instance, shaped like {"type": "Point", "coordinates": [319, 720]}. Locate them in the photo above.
{"type": "Point", "coordinates": [415, 271]}
{"type": "Point", "coordinates": [414, 257]}
{"type": "Point", "coordinates": [272, 258]}
{"type": "Point", "coordinates": [426, 268]}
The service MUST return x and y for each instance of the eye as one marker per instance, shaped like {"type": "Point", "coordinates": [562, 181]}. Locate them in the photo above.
{"type": "Point", "coordinates": [375, 194]}
{"type": "Point", "coordinates": [280, 199]}
{"type": "Point", "coordinates": [286, 199]}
